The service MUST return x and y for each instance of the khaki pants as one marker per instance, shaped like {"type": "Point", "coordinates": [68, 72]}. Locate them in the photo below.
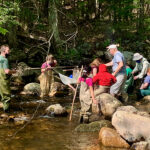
{"type": "Point", "coordinates": [47, 83]}
{"type": "Point", "coordinates": [118, 87]}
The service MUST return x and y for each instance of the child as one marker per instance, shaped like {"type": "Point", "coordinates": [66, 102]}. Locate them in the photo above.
{"type": "Point", "coordinates": [145, 87]}
{"type": "Point", "coordinates": [104, 80]}
{"type": "Point", "coordinates": [86, 92]}
{"type": "Point", "coordinates": [94, 65]}
{"type": "Point", "coordinates": [46, 78]}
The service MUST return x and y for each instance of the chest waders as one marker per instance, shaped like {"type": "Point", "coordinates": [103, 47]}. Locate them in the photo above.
{"type": "Point", "coordinates": [86, 101]}
{"type": "Point", "coordinates": [47, 83]}
{"type": "Point", "coordinates": [4, 89]}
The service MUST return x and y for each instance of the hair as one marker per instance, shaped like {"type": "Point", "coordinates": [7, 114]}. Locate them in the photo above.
{"type": "Point", "coordinates": [96, 62]}
{"type": "Point", "coordinates": [3, 48]}
{"type": "Point", "coordinates": [49, 57]}
{"type": "Point", "coordinates": [88, 70]}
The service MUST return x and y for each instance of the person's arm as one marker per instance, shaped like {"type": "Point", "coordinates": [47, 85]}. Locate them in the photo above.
{"type": "Point", "coordinates": [120, 65]}
{"type": "Point", "coordinates": [144, 71]}
{"type": "Point", "coordinates": [135, 69]}
{"type": "Point", "coordinates": [144, 86]}
{"type": "Point", "coordinates": [8, 71]}
{"type": "Point", "coordinates": [109, 64]}
{"type": "Point", "coordinates": [92, 94]}
{"type": "Point", "coordinates": [94, 71]}
{"type": "Point", "coordinates": [6, 68]}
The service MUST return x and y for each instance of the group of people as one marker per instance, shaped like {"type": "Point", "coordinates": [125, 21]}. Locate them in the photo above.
{"type": "Point", "coordinates": [95, 78]}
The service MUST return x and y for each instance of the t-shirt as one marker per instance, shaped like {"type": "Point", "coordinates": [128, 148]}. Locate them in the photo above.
{"type": "Point", "coordinates": [147, 80]}
{"type": "Point", "coordinates": [118, 57]}
{"type": "Point", "coordinates": [128, 71]}
{"type": "Point", "coordinates": [3, 62]}
{"type": "Point", "coordinates": [88, 81]}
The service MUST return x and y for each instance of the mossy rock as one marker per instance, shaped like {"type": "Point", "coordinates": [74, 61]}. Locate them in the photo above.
{"type": "Point", "coordinates": [94, 126]}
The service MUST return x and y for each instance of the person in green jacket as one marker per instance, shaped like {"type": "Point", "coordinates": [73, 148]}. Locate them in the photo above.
{"type": "Point", "coordinates": [5, 72]}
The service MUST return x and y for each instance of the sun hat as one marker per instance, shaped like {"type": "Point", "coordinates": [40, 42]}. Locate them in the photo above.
{"type": "Point", "coordinates": [137, 56]}
{"type": "Point", "coordinates": [112, 46]}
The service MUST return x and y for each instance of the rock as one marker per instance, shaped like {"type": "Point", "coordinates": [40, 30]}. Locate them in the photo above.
{"type": "Point", "coordinates": [56, 110]}
{"type": "Point", "coordinates": [32, 88]}
{"type": "Point", "coordinates": [140, 146]}
{"type": "Point", "coordinates": [94, 126]}
{"type": "Point", "coordinates": [95, 117]}
{"type": "Point", "coordinates": [131, 124]}
{"type": "Point", "coordinates": [110, 138]}
{"type": "Point", "coordinates": [108, 104]}
{"type": "Point", "coordinates": [146, 98]}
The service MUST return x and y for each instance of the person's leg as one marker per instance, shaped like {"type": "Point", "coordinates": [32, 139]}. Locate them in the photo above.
{"type": "Point", "coordinates": [5, 93]}
{"type": "Point", "coordinates": [53, 89]}
{"type": "Point", "coordinates": [116, 88]}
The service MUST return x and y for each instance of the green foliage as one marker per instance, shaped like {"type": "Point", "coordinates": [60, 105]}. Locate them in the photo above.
{"type": "Point", "coordinates": [8, 15]}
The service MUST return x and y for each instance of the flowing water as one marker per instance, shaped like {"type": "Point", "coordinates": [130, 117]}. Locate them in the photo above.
{"type": "Point", "coordinates": [47, 133]}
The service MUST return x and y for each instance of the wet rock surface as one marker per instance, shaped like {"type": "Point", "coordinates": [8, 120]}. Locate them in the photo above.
{"type": "Point", "coordinates": [94, 126]}
{"type": "Point", "coordinates": [56, 110]}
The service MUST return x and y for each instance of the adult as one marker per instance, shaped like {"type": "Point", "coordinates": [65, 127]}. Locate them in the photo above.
{"type": "Point", "coordinates": [5, 72]}
{"type": "Point", "coordinates": [119, 70]}
{"type": "Point", "coordinates": [141, 67]}
{"type": "Point", "coordinates": [145, 87]}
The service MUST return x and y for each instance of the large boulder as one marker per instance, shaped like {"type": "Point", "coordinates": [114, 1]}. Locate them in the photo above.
{"type": "Point", "coordinates": [110, 138]}
{"type": "Point", "coordinates": [56, 110]}
{"type": "Point", "coordinates": [32, 88]}
{"type": "Point", "coordinates": [94, 126]}
{"type": "Point", "coordinates": [131, 124]}
{"type": "Point", "coordinates": [143, 145]}
{"type": "Point", "coordinates": [108, 104]}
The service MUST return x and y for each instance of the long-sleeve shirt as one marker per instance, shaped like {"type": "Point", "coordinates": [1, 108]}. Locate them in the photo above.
{"type": "Point", "coordinates": [143, 67]}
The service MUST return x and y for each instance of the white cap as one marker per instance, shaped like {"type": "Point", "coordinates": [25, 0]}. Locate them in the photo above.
{"type": "Point", "coordinates": [112, 46]}
{"type": "Point", "coordinates": [137, 56]}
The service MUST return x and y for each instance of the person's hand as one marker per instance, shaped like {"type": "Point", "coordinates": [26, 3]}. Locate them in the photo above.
{"type": "Point", "coordinates": [132, 73]}
{"type": "Point", "coordinates": [135, 77]}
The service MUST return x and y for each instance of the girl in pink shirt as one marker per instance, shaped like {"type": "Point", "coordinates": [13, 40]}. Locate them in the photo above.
{"type": "Point", "coordinates": [86, 94]}
{"type": "Point", "coordinates": [46, 78]}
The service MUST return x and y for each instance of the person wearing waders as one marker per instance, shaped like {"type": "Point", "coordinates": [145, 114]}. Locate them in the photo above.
{"type": "Point", "coordinates": [86, 95]}
{"type": "Point", "coordinates": [5, 73]}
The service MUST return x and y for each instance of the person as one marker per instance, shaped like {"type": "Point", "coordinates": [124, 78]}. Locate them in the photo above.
{"type": "Point", "coordinates": [47, 78]}
{"type": "Point", "coordinates": [119, 71]}
{"type": "Point", "coordinates": [145, 87]}
{"type": "Point", "coordinates": [95, 66]}
{"type": "Point", "coordinates": [5, 73]}
{"type": "Point", "coordinates": [141, 67]}
{"type": "Point", "coordinates": [104, 80]}
{"type": "Point", "coordinates": [130, 81]}
{"type": "Point", "coordinates": [86, 92]}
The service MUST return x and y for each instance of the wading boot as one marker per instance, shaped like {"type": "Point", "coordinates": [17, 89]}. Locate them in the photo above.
{"type": "Point", "coordinates": [81, 118]}
{"type": "Point", "coordinates": [85, 119]}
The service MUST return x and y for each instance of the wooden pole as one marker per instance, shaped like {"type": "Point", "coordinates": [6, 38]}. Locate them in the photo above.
{"type": "Point", "coordinates": [74, 97]}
